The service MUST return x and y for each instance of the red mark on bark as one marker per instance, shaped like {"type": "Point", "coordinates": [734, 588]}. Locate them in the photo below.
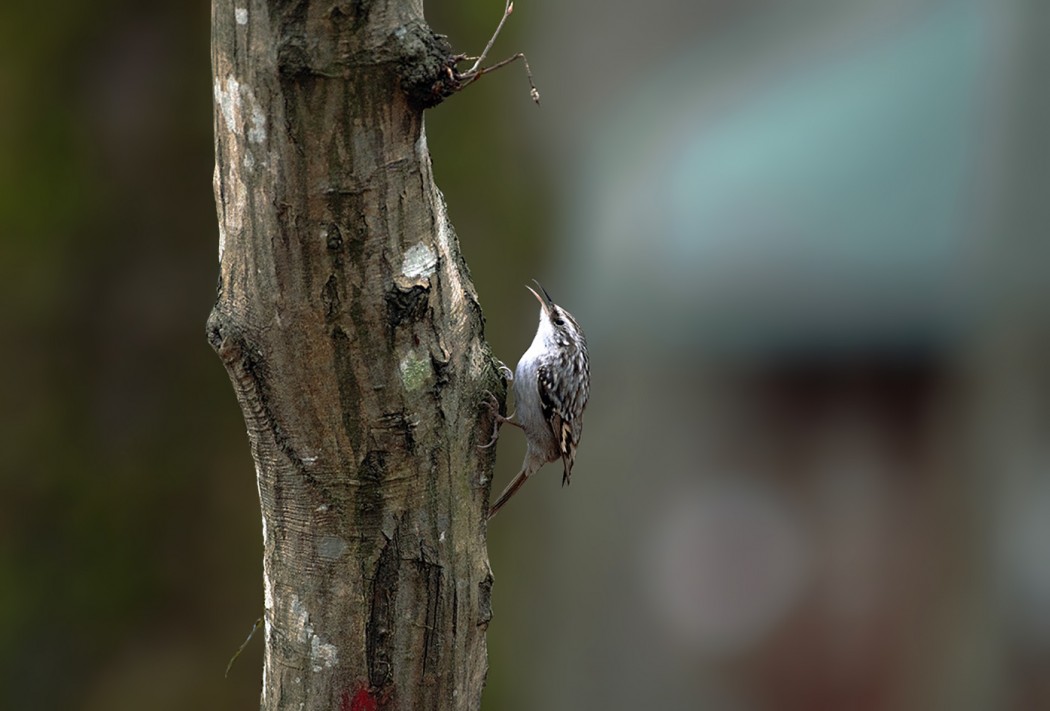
{"type": "Point", "coordinates": [361, 701]}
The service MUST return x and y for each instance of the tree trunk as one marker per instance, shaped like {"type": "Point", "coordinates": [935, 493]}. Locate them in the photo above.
{"type": "Point", "coordinates": [353, 336]}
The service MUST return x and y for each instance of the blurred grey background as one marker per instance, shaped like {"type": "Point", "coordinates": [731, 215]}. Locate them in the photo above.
{"type": "Point", "coordinates": [807, 241]}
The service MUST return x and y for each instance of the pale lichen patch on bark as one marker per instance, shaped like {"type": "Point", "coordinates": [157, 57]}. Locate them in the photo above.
{"type": "Point", "coordinates": [228, 99]}
{"type": "Point", "coordinates": [331, 547]}
{"type": "Point", "coordinates": [231, 95]}
{"type": "Point", "coordinates": [217, 188]}
{"type": "Point", "coordinates": [419, 260]}
{"type": "Point", "coordinates": [415, 371]}
{"type": "Point", "coordinates": [241, 15]}
{"type": "Point", "coordinates": [257, 131]}
{"type": "Point", "coordinates": [231, 194]}
{"type": "Point", "coordinates": [322, 654]}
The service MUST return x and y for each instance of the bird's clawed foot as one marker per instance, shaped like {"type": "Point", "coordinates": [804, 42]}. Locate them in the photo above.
{"type": "Point", "coordinates": [492, 404]}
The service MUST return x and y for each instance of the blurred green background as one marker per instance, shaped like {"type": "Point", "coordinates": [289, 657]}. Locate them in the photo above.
{"type": "Point", "coordinates": [808, 243]}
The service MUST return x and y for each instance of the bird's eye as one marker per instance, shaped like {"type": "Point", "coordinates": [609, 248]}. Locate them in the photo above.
{"type": "Point", "coordinates": [558, 321]}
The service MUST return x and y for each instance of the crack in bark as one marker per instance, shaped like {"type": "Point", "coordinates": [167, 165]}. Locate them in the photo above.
{"type": "Point", "coordinates": [330, 299]}
{"type": "Point", "coordinates": [401, 587]}
{"type": "Point", "coordinates": [431, 574]}
{"type": "Point", "coordinates": [382, 615]}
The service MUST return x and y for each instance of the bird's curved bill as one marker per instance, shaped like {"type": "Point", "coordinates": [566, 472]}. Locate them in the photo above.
{"type": "Point", "coordinates": [545, 300]}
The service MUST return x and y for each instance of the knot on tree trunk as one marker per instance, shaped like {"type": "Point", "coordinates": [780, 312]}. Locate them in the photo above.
{"type": "Point", "coordinates": [426, 65]}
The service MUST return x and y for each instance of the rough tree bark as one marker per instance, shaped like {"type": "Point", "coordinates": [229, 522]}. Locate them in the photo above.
{"type": "Point", "coordinates": [353, 337]}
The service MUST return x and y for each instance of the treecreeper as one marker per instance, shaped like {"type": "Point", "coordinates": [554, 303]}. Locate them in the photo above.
{"type": "Point", "coordinates": [551, 385]}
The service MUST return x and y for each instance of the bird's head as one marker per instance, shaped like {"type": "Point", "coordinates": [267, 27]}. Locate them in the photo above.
{"type": "Point", "coordinates": [562, 326]}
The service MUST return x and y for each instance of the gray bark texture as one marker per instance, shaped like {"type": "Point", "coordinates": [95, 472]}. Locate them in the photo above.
{"type": "Point", "coordinates": [353, 337]}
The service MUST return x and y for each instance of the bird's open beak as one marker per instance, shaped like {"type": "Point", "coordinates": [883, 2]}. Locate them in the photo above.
{"type": "Point", "coordinates": [545, 301]}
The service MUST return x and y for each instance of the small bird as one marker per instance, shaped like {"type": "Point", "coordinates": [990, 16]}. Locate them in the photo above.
{"type": "Point", "coordinates": [551, 386]}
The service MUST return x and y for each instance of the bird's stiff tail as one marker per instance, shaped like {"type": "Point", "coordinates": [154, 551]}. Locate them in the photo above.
{"type": "Point", "coordinates": [512, 487]}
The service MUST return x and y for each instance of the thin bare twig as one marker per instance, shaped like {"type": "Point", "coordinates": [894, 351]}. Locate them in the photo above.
{"type": "Point", "coordinates": [509, 8]}
{"type": "Point", "coordinates": [473, 76]}
{"type": "Point", "coordinates": [243, 645]}
{"type": "Point", "coordinates": [477, 71]}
